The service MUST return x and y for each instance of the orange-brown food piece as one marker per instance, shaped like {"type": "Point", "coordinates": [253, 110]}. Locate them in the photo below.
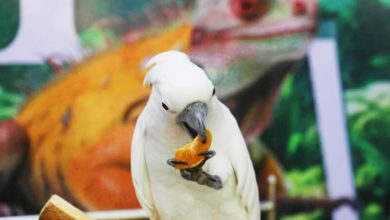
{"type": "Point", "coordinates": [189, 152]}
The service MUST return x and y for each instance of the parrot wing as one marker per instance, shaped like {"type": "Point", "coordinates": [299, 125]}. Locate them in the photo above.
{"type": "Point", "coordinates": [247, 187]}
{"type": "Point", "coordinates": [139, 170]}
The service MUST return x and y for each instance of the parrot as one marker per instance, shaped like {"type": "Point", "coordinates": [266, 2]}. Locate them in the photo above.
{"type": "Point", "coordinates": [183, 105]}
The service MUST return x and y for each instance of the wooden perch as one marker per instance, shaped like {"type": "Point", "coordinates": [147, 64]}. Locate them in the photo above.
{"type": "Point", "coordinates": [58, 208]}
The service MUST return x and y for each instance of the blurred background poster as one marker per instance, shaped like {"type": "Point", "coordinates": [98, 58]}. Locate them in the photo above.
{"type": "Point", "coordinates": [71, 89]}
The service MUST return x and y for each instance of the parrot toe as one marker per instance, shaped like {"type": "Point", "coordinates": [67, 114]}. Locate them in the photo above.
{"type": "Point", "coordinates": [214, 181]}
{"type": "Point", "coordinates": [208, 154]}
{"type": "Point", "coordinates": [202, 178]}
{"type": "Point", "coordinates": [173, 162]}
{"type": "Point", "coordinates": [191, 175]}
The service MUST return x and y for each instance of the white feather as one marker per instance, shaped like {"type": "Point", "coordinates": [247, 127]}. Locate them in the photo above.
{"type": "Point", "coordinates": [139, 172]}
{"type": "Point", "coordinates": [169, 57]}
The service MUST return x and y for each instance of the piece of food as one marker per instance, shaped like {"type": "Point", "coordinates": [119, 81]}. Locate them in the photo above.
{"type": "Point", "coordinates": [189, 153]}
{"type": "Point", "coordinates": [58, 208]}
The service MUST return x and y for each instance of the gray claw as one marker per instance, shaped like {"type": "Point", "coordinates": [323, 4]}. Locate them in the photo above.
{"type": "Point", "coordinates": [196, 174]}
{"type": "Point", "coordinates": [190, 175]}
{"type": "Point", "coordinates": [173, 162]}
{"type": "Point", "coordinates": [214, 182]}
{"type": "Point", "coordinates": [202, 178]}
{"type": "Point", "coordinates": [208, 154]}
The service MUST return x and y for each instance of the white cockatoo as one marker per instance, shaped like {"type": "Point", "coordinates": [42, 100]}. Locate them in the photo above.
{"type": "Point", "coordinates": [181, 106]}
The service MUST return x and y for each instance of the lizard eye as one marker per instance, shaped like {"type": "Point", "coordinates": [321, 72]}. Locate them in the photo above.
{"type": "Point", "coordinates": [165, 106]}
{"type": "Point", "coordinates": [249, 10]}
{"type": "Point", "coordinates": [214, 91]}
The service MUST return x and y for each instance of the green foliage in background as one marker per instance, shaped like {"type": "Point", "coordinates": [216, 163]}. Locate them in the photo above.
{"type": "Point", "coordinates": [294, 120]}
{"type": "Point", "coordinates": [368, 110]}
{"type": "Point", "coordinates": [304, 216]}
{"type": "Point", "coordinates": [297, 146]}
{"type": "Point", "coordinates": [96, 39]}
{"type": "Point", "coordinates": [364, 54]}
{"type": "Point", "coordinates": [17, 83]}
{"type": "Point", "coordinates": [306, 182]}
{"type": "Point", "coordinates": [9, 21]}
{"type": "Point", "coordinates": [362, 34]}
{"type": "Point", "coordinates": [24, 78]}
{"type": "Point", "coordinates": [88, 12]}
{"type": "Point", "coordinates": [364, 51]}
{"type": "Point", "coordinates": [9, 103]}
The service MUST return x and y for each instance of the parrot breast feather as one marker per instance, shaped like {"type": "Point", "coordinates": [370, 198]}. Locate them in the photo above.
{"type": "Point", "coordinates": [243, 169]}
{"type": "Point", "coordinates": [140, 176]}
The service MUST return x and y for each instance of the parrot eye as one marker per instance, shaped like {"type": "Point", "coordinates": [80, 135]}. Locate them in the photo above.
{"type": "Point", "coordinates": [165, 106]}
{"type": "Point", "coordinates": [214, 91]}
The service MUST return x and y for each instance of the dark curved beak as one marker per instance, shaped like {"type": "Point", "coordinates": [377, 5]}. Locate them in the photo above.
{"type": "Point", "coordinates": [192, 119]}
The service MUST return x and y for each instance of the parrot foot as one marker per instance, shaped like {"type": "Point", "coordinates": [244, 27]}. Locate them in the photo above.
{"type": "Point", "coordinates": [208, 154]}
{"type": "Point", "coordinates": [173, 162]}
{"type": "Point", "coordinates": [212, 181]}
{"type": "Point", "coordinates": [191, 175]}
{"type": "Point", "coordinates": [202, 178]}
{"type": "Point", "coordinates": [196, 174]}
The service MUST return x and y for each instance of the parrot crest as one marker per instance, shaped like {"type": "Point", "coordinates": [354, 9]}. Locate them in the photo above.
{"type": "Point", "coordinates": [172, 73]}
{"type": "Point", "coordinates": [162, 58]}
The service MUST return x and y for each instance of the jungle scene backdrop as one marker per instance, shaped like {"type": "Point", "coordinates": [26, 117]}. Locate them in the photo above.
{"type": "Point", "coordinates": [288, 137]}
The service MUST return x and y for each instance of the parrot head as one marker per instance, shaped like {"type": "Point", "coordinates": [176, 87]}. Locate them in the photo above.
{"type": "Point", "coordinates": [182, 91]}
